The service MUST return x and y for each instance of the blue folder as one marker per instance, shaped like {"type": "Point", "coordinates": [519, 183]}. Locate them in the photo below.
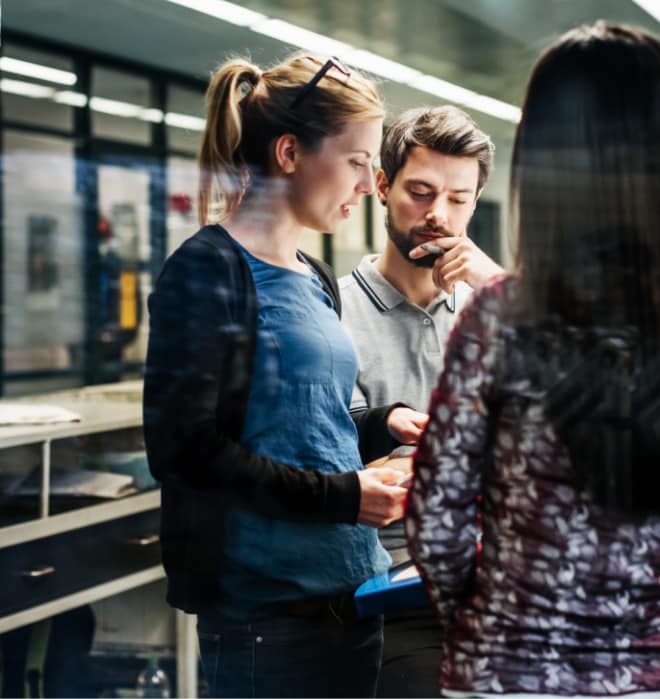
{"type": "Point", "coordinates": [385, 593]}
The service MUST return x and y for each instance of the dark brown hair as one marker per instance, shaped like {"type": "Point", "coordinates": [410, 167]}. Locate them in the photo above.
{"type": "Point", "coordinates": [447, 129]}
{"type": "Point", "coordinates": [585, 184]}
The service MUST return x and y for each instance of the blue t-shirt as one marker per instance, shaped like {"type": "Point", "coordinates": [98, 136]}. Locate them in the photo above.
{"type": "Point", "coordinates": [297, 413]}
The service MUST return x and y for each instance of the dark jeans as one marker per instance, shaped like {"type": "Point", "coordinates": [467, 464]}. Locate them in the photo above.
{"type": "Point", "coordinates": [291, 657]}
{"type": "Point", "coordinates": [411, 654]}
{"type": "Point", "coordinates": [413, 638]}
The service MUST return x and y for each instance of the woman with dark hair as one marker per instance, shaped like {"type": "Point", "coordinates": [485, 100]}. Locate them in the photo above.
{"type": "Point", "coordinates": [534, 514]}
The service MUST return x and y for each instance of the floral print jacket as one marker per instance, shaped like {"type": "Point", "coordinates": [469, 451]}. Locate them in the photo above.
{"type": "Point", "coordinates": [561, 598]}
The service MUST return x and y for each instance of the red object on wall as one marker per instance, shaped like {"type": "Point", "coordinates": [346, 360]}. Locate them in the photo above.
{"type": "Point", "coordinates": [181, 203]}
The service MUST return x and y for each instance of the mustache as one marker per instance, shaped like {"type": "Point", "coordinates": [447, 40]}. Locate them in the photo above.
{"type": "Point", "coordinates": [426, 229]}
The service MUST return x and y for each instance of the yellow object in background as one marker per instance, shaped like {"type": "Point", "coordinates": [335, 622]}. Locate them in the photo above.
{"type": "Point", "coordinates": [128, 300]}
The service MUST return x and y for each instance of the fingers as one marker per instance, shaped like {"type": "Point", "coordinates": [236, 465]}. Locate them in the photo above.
{"type": "Point", "coordinates": [381, 501]}
{"type": "Point", "coordinates": [387, 475]}
{"type": "Point", "coordinates": [406, 425]}
{"type": "Point", "coordinates": [411, 433]}
{"type": "Point", "coordinates": [447, 274]}
{"type": "Point", "coordinates": [420, 419]}
{"type": "Point", "coordinates": [439, 246]}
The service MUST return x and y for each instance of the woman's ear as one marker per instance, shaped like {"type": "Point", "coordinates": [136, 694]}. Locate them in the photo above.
{"type": "Point", "coordinates": [286, 153]}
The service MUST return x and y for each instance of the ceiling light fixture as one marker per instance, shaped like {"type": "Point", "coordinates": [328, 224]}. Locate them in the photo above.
{"type": "Point", "coordinates": [35, 70]}
{"type": "Point", "coordinates": [115, 107]}
{"type": "Point", "coordinates": [652, 7]}
{"type": "Point", "coordinates": [366, 60]}
{"type": "Point", "coordinates": [100, 104]}
{"type": "Point", "coordinates": [468, 98]}
{"type": "Point", "coordinates": [73, 99]}
{"type": "Point", "coordinates": [185, 121]}
{"type": "Point", "coordinates": [378, 65]}
{"type": "Point", "coordinates": [302, 38]}
{"type": "Point", "coordinates": [227, 11]}
{"type": "Point", "coordinates": [19, 87]}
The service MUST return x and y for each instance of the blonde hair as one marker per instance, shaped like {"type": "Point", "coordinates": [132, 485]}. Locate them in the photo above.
{"type": "Point", "coordinates": [247, 109]}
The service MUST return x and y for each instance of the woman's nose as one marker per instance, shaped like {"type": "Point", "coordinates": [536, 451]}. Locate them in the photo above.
{"type": "Point", "coordinates": [366, 185]}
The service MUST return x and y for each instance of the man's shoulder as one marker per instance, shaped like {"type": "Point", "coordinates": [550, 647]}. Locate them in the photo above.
{"type": "Point", "coordinates": [346, 281]}
{"type": "Point", "coordinates": [349, 284]}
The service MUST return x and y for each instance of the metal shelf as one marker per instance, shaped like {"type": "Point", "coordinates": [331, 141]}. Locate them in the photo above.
{"type": "Point", "coordinates": [76, 519]}
{"type": "Point", "coordinates": [91, 594]}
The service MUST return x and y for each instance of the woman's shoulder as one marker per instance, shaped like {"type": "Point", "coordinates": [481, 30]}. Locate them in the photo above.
{"type": "Point", "coordinates": [210, 248]}
{"type": "Point", "coordinates": [491, 304]}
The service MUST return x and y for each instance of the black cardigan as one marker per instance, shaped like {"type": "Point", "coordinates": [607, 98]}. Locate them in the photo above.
{"type": "Point", "coordinates": [202, 343]}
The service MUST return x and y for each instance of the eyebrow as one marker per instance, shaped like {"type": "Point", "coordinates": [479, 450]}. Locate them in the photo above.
{"type": "Point", "coordinates": [359, 150]}
{"type": "Point", "coordinates": [423, 183]}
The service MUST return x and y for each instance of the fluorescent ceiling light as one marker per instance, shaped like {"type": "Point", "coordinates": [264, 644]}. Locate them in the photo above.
{"type": "Point", "coordinates": [227, 11]}
{"type": "Point", "coordinates": [378, 65]}
{"type": "Point", "coordinates": [18, 87]}
{"type": "Point", "coordinates": [34, 70]}
{"type": "Point", "coordinates": [302, 38]}
{"type": "Point", "coordinates": [185, 121]}
{"type": "Point", "coordinates": [652, 7]}
{"type": "Point", "coordinates": [155, 116]}
{"type": "Point", "coordinates": [100, 104]}
{"type": "Point", "coordinates": [115, 107]}
{"type": "Point", "coordinates": [468, 98]}
{"type": "Point", "coordinates": [366, 60]}
{"type": "Point", "coordinates": [73, 99]}
{"type": "Point", "coordinates": [126, 110]}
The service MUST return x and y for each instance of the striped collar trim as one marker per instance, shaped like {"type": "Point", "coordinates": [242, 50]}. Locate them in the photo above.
{"type": "Point", "coordinates": [382, 294]}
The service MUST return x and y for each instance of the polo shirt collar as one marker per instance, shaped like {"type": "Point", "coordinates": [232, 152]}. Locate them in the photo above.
{"type": "Point", "coordinates": [382, 294]}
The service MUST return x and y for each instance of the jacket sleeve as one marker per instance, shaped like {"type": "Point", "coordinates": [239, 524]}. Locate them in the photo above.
{"type": "Point", "coordinates": [197, 375]}
{"type": "Point", "coordinates": [441, 516]}
{"type": "Point", "coordinates": [373, 436]}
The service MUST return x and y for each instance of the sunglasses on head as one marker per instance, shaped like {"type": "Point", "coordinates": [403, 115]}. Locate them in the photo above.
{"type": "Point", "coordinates": [333, 62]}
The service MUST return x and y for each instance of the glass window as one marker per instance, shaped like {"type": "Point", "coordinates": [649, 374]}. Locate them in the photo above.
{"type": "Point", "coordinates": [43, 256]}
{"type": "Point", "coordinates": [181, 201]}
{"type": "Point", "coordinates": [185, 118]}
{"type": "Point", "coordinates": [38, 88]}
{"type": "Point", "coordinates": [124, 248]}
{"type": "Point", "coordinates": [121, 107]}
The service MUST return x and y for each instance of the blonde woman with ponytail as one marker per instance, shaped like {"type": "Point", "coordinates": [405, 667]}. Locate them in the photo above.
{"type": "Point", "coordinates": [268, 517]}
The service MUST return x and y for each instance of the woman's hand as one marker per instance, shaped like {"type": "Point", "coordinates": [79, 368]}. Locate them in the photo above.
{"type": "Point", "coordinates": [381, 499]}
{"type": "Point", "coordinates": [406, 425]}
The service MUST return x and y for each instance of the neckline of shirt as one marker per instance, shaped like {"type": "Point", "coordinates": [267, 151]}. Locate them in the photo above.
{"type": "Point", "coordinates": [310, 274]}
{"type": "Point", "coordinates": [385, 296]}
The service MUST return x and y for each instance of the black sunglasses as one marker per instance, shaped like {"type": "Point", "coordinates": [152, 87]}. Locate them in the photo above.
{"type": "Point", "coordinates": [333, 62]}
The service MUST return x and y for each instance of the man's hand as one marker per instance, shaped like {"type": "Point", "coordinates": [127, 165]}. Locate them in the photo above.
{"type": "Point", "coordinates": [381, 500]}
{"type": "Point", "coordinates": [406, 425]}
{"type": "Point", "coordinates": [462, 261]}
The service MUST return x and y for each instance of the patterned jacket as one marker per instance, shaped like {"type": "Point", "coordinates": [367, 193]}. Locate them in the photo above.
{"type": "Point", "coordinates": [563, 599]}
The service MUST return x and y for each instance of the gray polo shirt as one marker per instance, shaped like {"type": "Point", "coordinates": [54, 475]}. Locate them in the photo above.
{"type": "Point", "coordinates": [400, 346]}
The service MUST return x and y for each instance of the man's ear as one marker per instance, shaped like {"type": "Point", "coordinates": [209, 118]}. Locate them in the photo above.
{"type": "Point", "coordinates": [382, 186]}
{"type": "Point", "coordinates": [286, 153]}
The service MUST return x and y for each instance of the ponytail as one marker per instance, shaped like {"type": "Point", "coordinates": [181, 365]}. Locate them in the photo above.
{"type": "Point", "coordinates": [219, 156]}
{"type": "Point", "coordinates": [242, 125]}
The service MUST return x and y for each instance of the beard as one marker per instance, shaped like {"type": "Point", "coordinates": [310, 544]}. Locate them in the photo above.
{"type": "Point", "coordinates": [405, 242]}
